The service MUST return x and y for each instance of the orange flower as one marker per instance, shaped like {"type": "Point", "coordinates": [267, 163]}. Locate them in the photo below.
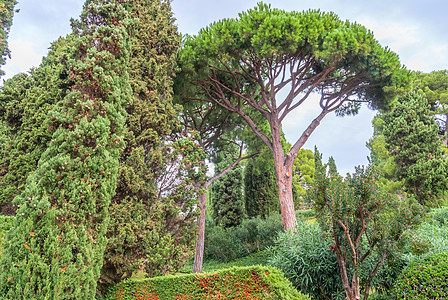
{"type": "Point", "coordinates": [26, 246]}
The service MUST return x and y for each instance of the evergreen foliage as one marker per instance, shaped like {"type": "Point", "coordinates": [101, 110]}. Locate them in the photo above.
{"type": "Point", "coordinates": [227, 192]}
{"type": "Point", "coordinates": [269, 50]}
{"type": "Point", "coordinates": [25, 102]}
{"type": "Point", "coordinates": [55, 248]}
{"type": "Point", "coordinates": [382, 159]}
{"type": "Point", "coordinates": [435, 87]}
{"type": "Point", "coordinates": [412, 138]}
{"type": "Point", "coordinates": [152, 220]}
{"type": "Point", "coordinates": [260, 188]}
{"type": "Point", "coordinates": [6, 15]}
{"type": "Point", "coordinates": [424, 280]}
{"type": "Point", "coordinates": [303, 177]}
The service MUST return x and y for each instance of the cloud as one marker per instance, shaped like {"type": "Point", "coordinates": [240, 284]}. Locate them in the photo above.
{"type": "Point", "coordinates": [25, 54]}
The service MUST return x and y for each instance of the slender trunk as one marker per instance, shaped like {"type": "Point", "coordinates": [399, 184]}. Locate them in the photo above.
{"type": "Point", "coordinates": [199, 254]}
{"type": "Point", "coordinates": [445, 138]}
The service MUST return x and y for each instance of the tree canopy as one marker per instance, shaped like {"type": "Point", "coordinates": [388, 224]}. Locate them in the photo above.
{"type": "Point", "coordinates": [247, 61]}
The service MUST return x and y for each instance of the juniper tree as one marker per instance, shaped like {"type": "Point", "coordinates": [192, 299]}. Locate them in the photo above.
{"type": "Point", "coordinates": [55, 248]}
{"type": "Point", "coordinates": [271, 50]}
{"type": "Point", "coordinates": [412, 138]}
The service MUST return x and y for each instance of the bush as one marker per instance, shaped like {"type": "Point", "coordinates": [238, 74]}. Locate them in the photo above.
{"type": "Point", "coordinates": [250, 236]}
{"type": "Point", "coordinates": [306, 259]}
{"type": "Point", "coordinates": [425, 280]}
{"type": "Point", "coordinates": [440, 215]}
{"type": "Point", "coordinates": [6, 223]}
{"type": "Point", "coordinates": [235, 283]}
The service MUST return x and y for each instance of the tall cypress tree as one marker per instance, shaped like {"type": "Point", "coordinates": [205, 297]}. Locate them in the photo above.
{"type": "Point", "coordinates": [147, 231]}
{"type": "Point", "coordinates": [260, 188]}
{"type": "Point", "coordinates": [55, 248]}
{"type": "Point", "coordinates": [227, 192]}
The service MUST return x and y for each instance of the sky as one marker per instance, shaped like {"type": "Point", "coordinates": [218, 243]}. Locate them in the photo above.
{"type": "Point", "coordinates": [416, 30]}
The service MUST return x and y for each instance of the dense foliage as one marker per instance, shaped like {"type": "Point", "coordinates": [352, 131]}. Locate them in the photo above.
{"type": "Point", "coordinates": [268, 49]}
{"type": "Point", "coordinates": [55, 248]}
{"type": "Point", "coordinates": [6, 14]}
{"type": "Point", "coordinates": [424, 280]}
{"type": "Point", "coordinates": [152, 219]}
{"type": "Point", "coordinates": [412, 138]}
{"type": "Point", "coordinates": [227, 192]}
{"type": "Point", "coordinates": [235, 283]}
{"type": "Point", "coordinates": [252, 235]}
{"type": "Point", "coordinates": [26, 127]}
{"type": "Point", "coordinates": [306, 258]}
{"type": "Point", "coordinates": [435, 87]}
{"type": "Point", "coordinates": [363, 220]}
{"type": "Point", "coordinates": [260, 189]}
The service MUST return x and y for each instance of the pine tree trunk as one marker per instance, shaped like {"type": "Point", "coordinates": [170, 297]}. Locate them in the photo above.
{"type": "Point", "coordinates": [283, 170]}
{"type": "Point", "coordinates": [199, 254]}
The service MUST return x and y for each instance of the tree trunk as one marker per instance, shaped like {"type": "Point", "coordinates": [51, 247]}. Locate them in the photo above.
{"type": "Point", "coordinates": [199, 254]}
{"type": "Point", "coordinates": [283, 170]}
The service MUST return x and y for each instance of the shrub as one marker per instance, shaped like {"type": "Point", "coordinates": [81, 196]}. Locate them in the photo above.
{"type": "Point", "coordinates": [304, 255]}
{"type": "Point", "coordinates": [425, 280]}
{"type": "Point", "coordinates": [6, 223]}
{"type": "Point", "coordinates": [235, 283]}
{"type": "Point", "coordinates": [250, 236]}
{"type": "Point", "coordinates": [440, 215]}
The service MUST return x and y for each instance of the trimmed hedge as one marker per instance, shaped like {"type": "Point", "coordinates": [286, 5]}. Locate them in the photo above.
{"type": "Point", "coordinates": [6, 223]}
{"type": "Point", "coordinates": [425, 280]}
{"type": "Point", "coordinates": [258, 282]}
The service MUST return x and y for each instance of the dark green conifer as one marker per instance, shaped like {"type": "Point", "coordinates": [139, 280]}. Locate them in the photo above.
{"type": "Point", "coordinates": [55, 248]}
{"type": "Point", "coordinates": [260, 188]}
{"type": "Point", "coordinates": [412, 139]}
{"type": "Point", "coordinates": [147, 230]}
{"type": "Point", "coordinates": [227, 192]}
{"type": "Point", "coordinates": [25, 101]}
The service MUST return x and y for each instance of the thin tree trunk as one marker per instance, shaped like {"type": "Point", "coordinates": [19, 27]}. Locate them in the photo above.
{"type": "Point", "coordinates": [199, 254]}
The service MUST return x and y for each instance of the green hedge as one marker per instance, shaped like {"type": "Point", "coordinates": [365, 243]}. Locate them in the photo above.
{"type": "Point", "coordinates": [257, 282]}
{"type": "Point", "coordinates": [425, 280]}
{"type": "Point", "coordinates": [5, 224]}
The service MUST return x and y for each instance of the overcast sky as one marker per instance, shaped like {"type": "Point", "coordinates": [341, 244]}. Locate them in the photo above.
{"type": "Point", "coordinates": [416, 30]}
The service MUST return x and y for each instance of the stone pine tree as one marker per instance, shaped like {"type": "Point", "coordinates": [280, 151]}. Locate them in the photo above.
{"type": "Point", "coordinates": [271, 50]}
{"type": "Point", "coordinates": [412, 138]}
{"type": "Point", "coordinates": [152, 227]}
{"type": "Point", "coordinates": [55, 248]}
{"type": "Point", "coordinates": [227, 192]}
{"type": "Point", "coordinates": [25, 100]}
{"type": "Point", "coordinates": [6, 15]}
